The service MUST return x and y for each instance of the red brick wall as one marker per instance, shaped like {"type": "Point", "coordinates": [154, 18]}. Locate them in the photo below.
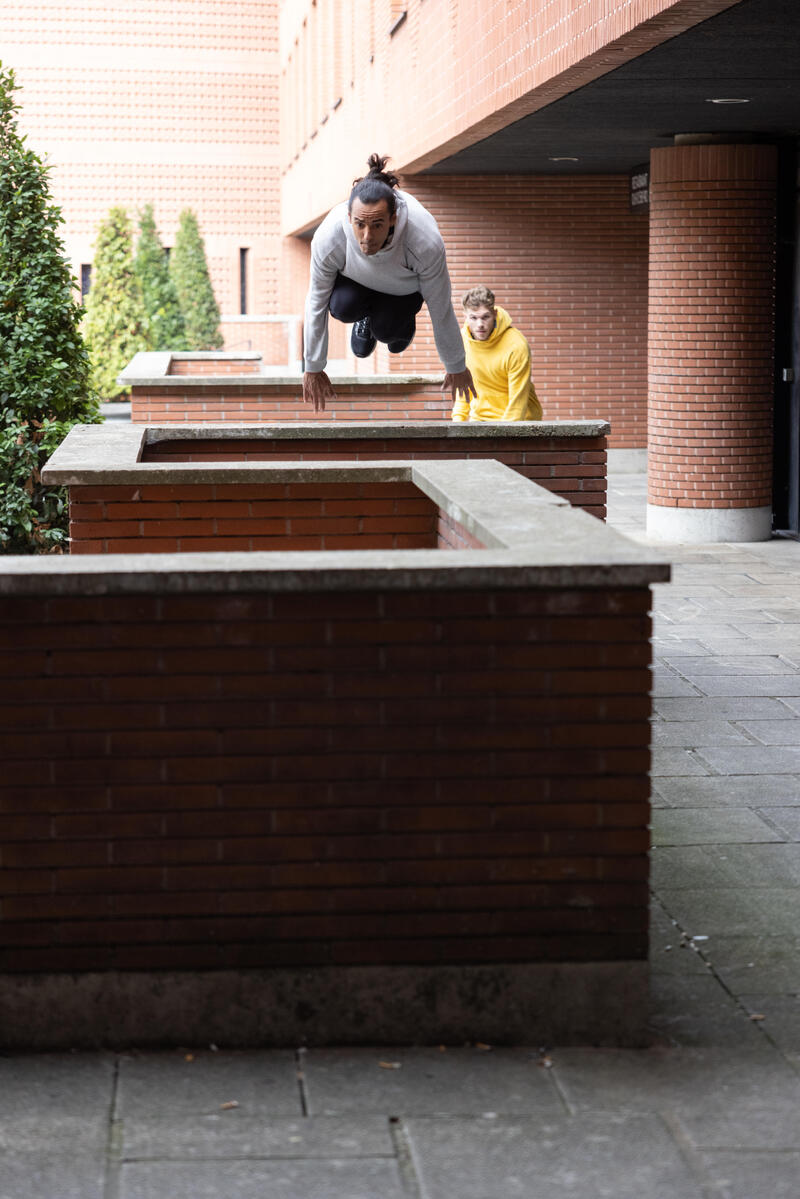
{"type": "Point", "coordinates": [572, 467]}
{"type": "Point", "coordinates": [250, 516]}
{"type": "Point", "coordinates": [453, 536]}
{"type": "Point", "coordinates": [214, 366]}
{"type": "Point", "coordinates": [450, 76]}
{"type": "Point", "coordinates": [568, 259]}
{"type": "Point", "coordinates": [174, 103]}
{"type": "Point", "coordinates": [249, 780]}
{"type": "Point", "coordinates": [271, 402]}
{"type": "Point", "coordinates": [712, 301]}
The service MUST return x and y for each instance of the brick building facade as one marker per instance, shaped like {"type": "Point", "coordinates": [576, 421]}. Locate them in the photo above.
{"type": "Point", "coordinates": [174, 104]}
{"type": "Point", "coordinates": [520, 126]}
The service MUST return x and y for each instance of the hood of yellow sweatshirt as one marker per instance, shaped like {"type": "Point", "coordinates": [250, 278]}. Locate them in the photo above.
{"type": "Point", "coordinates": [502, 324]}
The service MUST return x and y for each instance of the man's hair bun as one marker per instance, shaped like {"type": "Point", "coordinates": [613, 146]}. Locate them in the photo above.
{"type": "Point", "coordinates": [378, 184]}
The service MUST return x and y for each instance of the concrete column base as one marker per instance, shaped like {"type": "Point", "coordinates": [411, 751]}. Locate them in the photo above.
{"type": "Point", "coordinates": [577, 1003]}
{"type": "Point", "coordinates": [627, 462]}
{"type": "Point", "coordinates": [704, 525]}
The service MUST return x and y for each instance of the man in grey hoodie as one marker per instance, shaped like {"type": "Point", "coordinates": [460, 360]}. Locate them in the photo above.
{"type": "Point", "coordinates": [374, 260]}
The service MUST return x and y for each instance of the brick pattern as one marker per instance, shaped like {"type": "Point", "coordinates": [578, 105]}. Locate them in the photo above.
{"type": "Point", "coordinates": [242, 516]}
{"type": "Point", "coordinates": [568, 259]}
{"type": "Point", "coordinates": [214, 366]}
{"type": "Point", "coordinates": [452, 535]}
{"type": "Point", "coordinates": [174, 103]}
{"type": "Point", "coordinates": [572, 467]}
{"type": "Point", "coordinates": [238, 780]}
{"type": "Point", "coordinates": [510, 59]}
{"type": "Point", "coordinates": [272, 402]}
{"type": "Point", "coordinates": [712, 271]}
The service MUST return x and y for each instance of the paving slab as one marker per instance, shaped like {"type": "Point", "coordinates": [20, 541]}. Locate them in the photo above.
{"type": "Point", "coordinates": [665, 643]}
{"type": "Point", "coordinates": [752, 759]}
{"type": "Point", "coordinates": [46, 1176]}
{"type": "Point", "coordinates": [670, 952]}
{"type": "Point", "coordinates": [715, 826]}
{"type": "Point", "coordinates": [773, 911]}
{"type": "Point", "coordinates": [686, 866]}
{"type": "Point", "coordinates": [767, 865]}
{"type": "Point", "coordinates": [750, 684]}
{"type": "Point", "coordinates": [699, 667]}
{"type": "Point", "coordinates": [676, 763]}
{"type": "Point", "coordinates": [503, 1159]}
{"type": "Point", "coordinates": [704, 708]}
{"type": "Point", "coordinates": [231, 1134]}
{"type": "Point", "coordinates": [759, 964]}
{"type": "Point", "coordinates": [49, 1085]}
{"type": "Point", "coordinates": [741, 1175]}
{"type": "Point", "coordinates": [779, 1020]}
{"type": "Point", "coordinates": [428, 1081]}
{"type": "Point", "coordinates": [665, 683]}
{"type": "Point", "coordinates": [184, 1083]}
{"type": "Point", "coordinates": [682, 1080]}
{"type": "Point", "coordinates": [785, 820]}
{"type": "Point", "coordinates": [787, 646]}
{"type": "Point", "coordinates": [330, 1179]}
{"type": "Point", "coordinates": [714, 791]}
{"type": "Point", "coordinates": [689, 1009]}
{"type": "Point", "coordinates": [773, 732]}
{"type": "Point", "coordinates": [689, 734]}
{"type": "Point", "coordinates": [52, 1133]}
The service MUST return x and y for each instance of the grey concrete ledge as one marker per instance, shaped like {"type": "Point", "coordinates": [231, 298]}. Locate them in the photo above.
{"type": "Point", "coordinates": [572, 1003]}
{"type": "Point", "coordinates": [319, 430]}
{"type": "Point", "coordinates": [90, 453]}
{"type": "Point", "coordinates": [533, 538]}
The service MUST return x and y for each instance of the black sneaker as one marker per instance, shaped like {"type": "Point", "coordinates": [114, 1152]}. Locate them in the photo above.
{"type": "Point", "coordinates": [362, 341]}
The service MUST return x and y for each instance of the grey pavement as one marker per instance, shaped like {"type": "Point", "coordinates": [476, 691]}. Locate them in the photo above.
{"type": "Point", "coordinates": [711, 1110]}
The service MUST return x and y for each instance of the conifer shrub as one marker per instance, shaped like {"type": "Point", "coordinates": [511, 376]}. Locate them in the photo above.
{"type": "Point", "coordinates": [44, 367]}
{"type": "Point", "coordinates": [189, 269]}
{"type": "Point", "coordinates": [116, 324]}
{"type": "Point", "coordinates": [166, 326]}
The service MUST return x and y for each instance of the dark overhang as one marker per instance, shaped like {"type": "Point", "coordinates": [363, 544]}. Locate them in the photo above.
{"type": "Point", "coordinates": [749, 52]}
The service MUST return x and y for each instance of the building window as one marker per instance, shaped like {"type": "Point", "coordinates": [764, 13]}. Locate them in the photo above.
{"type": "Point", "coordinates": [86, 279]}
{"type": "Point", "coordinates": [243, 281]}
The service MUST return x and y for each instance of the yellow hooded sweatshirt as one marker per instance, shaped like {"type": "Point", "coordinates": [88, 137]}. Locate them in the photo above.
{"type": "Point", "coordinates": [501, 370]}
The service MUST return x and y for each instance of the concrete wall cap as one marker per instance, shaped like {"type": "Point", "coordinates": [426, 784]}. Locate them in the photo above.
{"type": "Point", "coordinates": [92, 453]}
{"type": "Point", "coordinates": [533, 538]}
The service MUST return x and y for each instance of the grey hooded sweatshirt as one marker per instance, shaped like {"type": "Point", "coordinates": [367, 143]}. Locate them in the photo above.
{"type": "Point", "coordinates": [414, 260]}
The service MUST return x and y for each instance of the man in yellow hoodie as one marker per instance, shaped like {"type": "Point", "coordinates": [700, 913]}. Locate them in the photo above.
{"type": "Point", "coordinates": [499, 358]}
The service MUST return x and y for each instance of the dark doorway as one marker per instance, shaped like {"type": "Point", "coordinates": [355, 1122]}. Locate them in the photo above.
{"type": "Point", "coordinates": [786, 476]}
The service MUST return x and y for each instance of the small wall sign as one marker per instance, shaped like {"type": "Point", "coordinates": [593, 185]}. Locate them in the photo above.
{"type": "Point", "coordinates": [640, 188]}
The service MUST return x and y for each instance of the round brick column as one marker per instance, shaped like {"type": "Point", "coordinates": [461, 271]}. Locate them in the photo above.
{"type": "Point", "coordinates": [710, 342]}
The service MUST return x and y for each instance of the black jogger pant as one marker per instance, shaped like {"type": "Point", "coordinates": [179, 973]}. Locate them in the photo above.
{"type": "Point", "coordinates": [392, 317]}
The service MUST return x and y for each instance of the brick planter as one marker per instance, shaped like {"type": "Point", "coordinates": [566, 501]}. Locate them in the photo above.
{"type": "Point", "coordinates": [190, 489]}
{"type": "Point", "coordinates": [179, 389]}
{"type": "Point", "coordinates": [351, 796]}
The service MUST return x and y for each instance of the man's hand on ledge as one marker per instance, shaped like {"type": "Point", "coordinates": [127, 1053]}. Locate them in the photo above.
{"type": "Point", "coordinates": [462, 381]}
{"type": "Point", "coordinates": [317, 389]}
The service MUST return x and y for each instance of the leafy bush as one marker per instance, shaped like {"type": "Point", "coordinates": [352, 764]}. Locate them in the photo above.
{"type": "Point", "coordinates": [166, 326]}
{"type": "Point", "coordinates": [116, 325]}
{"type": "Point", "coordinates": [44, 367]}
{"type": "Point", "coordinates": [189, 270]}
